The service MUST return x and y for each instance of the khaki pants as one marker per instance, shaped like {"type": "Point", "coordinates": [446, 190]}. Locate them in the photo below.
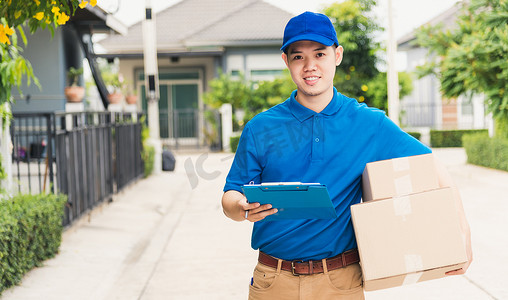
{"type": "Point", "coordinates": [269, 283]}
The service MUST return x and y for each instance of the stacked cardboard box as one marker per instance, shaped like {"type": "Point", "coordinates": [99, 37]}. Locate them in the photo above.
{"type": "Point", "coordinates": [408, 227]}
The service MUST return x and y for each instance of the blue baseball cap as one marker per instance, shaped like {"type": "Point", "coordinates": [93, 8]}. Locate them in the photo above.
{"type": "Point", "coordinates": [309, 26]}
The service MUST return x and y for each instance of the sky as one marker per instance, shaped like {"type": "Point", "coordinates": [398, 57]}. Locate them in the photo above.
{"type": "Point", "coordinates": [408, 14]}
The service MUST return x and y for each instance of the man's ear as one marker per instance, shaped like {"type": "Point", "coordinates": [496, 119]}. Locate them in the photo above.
{"type": "Point", "coordinates": [338, 55]}
{"type": "Point", "coordinates": [285, 59]}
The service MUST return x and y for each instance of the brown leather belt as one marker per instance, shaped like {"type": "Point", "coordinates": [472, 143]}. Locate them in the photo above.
{"type": "Point", "coordinates": [298, 267]}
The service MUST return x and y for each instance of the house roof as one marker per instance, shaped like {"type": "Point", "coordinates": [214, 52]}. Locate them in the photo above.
{"type": "Point", "coordinates": [98, 19]}
{"type": "Point", "coordinates": [448, 19]}
{"type": "Point", "coordinates": [205, 25]}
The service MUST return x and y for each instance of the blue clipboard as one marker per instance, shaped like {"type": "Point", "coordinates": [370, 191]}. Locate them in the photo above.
{"type": "Point", "coordinates": [292, 200]}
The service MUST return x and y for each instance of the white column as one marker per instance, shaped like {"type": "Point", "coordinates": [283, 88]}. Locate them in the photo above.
{"type": "Point", "coordinates": [226, 111]}
{"type": "Point", "coordinates": [152, 83]}
{"type": "Point", "coordinates": [479, 112]}
{"type": "Point", "coordinates": [392, 75]}
{"type": "Point", "coordinates": [6, 151]}
{"type": "Point", "coordinates": [72, 108]}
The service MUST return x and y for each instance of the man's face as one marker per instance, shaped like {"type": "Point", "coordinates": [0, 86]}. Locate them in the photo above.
{"type": "Point", "coordinates": [312, 66]}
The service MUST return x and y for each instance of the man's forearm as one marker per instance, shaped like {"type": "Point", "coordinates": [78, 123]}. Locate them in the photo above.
{"type": "Point", "coordinates": [230, 207]}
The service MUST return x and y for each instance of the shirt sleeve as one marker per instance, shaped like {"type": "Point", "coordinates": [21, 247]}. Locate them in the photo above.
{"type": "Point", "coordinates": [394, 142]}
{"type": "Point", "coordinates": [246, 167]}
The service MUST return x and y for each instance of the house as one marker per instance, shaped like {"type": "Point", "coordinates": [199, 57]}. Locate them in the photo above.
{"type": "Point", "coordinates": [51, 57]}
{"type": "Point", "coordinates": [425, 107]}
{"type": "Point", "coordinates": [196, 39]}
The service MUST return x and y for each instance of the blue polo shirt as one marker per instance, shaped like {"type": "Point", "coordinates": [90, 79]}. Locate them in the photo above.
{"type": "Point", "coordinates": [290, 142]}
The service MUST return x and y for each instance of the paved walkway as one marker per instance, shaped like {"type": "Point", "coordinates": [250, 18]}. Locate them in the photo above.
{"type": "Point", "coordinates": [166, 238]}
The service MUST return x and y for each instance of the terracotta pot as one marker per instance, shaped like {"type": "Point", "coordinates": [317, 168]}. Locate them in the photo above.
{"type": "Point", "coordinates": [131, 99]}
{"type": "Point", "coordinates": [74, 94]}
{"type": "Point", "coordinates": [115, 98]}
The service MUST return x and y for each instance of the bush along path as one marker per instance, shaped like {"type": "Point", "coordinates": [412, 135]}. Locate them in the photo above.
{"type": "Point", "coordinates": [30, 232]}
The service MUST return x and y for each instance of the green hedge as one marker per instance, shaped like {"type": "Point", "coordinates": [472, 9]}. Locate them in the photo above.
{"type": "Point", "coordinates": [148, 151]}
{"type": "Point", "coordinates": [450, 138]}
{"type": "Point", "coordinates": [233, 141]}
{"type": "Point", "coordinates": [414, 134]}
{"type": "Point", "coordinates": [30, 232]}
{"type": "Point", "coordinates": [485, 151]}
{"type": "Point", "coordinates": [148, 157]}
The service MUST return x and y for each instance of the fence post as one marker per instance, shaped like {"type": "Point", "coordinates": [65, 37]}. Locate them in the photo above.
{"type": "Point", "coordinates": [6, 150]}
{"type": "Point", "coordinates": [226, 111]}
{"type": "Point", "coordinates": [49, 152]}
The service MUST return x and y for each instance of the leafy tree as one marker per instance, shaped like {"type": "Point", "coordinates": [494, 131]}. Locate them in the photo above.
{"type": "Point", "coordinates": [267, 94]}
{"type": "Point", "coordinates": [377, 89]}
{"type": "Point", "coordinates": [472, 58]}
{"type": "Point", "coordinates": [226, 89]}
{"type": "Point", "coordinates": [249, 97]}
{"type": "Point", "coordinates": [356, 29]}
{"type": "Point", "coordinates": [35, 14]}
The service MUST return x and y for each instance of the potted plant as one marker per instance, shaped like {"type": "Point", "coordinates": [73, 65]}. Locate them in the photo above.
{"type": "Point", "coordinates": [73, 92]}
{"type": "Point", "coordinates": [115, 85]}
{"type": "Point", "coordinates": [132, 97]}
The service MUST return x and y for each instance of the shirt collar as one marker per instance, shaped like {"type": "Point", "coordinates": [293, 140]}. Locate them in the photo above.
{"type": "Point", "coordinates": [302, 113]}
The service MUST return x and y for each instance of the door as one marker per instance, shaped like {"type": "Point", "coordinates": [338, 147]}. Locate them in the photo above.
{"type": "Point", "coordinates": [178, 109]}
{"type": "Point", "coordinates": [185, 110]}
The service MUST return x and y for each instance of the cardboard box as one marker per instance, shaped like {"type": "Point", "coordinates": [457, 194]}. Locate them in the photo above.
{"type": "Point", "coordinates": [400, 176]}
{"type": "Point", "coordinates": [408, 239]}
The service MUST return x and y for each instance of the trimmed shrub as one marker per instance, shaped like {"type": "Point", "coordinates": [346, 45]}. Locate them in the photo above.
{"type": "Point", "coordinates": [451, 138]}
{"type": "Point", "coordinates": [485, 151]}
{"type": "Point", "coordinates": [30, 232]}
{"type": "Point", "coordinates": [233, 141]}
{"type": "Point", "coordinates": [148, 151]}
{"type": "Point", "coordinates": [148, 157]}
{"type": "Point", "coordinates": [414, 134]}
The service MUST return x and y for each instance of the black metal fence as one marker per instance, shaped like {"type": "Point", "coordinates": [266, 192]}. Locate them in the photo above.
{"type": "Point", "coordinates": [87, 156]}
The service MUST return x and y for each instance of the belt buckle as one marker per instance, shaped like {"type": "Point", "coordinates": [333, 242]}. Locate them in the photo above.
{"type": "Point", "coordinates": [293, 266]}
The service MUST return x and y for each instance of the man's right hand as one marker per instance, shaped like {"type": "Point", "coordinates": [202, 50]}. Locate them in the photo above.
{"type": "Point", "coordinates": [236, 207]}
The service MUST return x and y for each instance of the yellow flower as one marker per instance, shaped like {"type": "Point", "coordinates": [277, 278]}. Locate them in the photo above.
{"type": "Point", "coordinates": [348, 76]}
{"type": "Point", "coordinates": [48, 21]}
{"type": "Point", "coordinates": [93, 2]}
{"type": "Point", "coordinates": [37, 2]}
{"type": "Point", "coordinates": [361, 99]}
{"type": "Point", "coordinates": [83, 4]}
{"type": "Point", "coordinates": [352, 68]}
{"type": "Point", "coordinates": [55, 10]}
{"type": "Point", "coordinates": [62, 19]}
{"type": "Point", "coordinates": [17, 14]}
{"type": "Point", "coordinates": [3, 38]}
{"type": "Point", "coordinates": [364, 88]}
{"type": "Point", "coordinates": [39, 15]}
{"type": "Point", "coordinates": [9, 30]}
{"type": "Point", "coordinates": [4, 31]}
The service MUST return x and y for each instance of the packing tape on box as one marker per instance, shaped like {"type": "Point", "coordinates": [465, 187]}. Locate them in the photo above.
{"type": "Point", "coordinates": [400, 164]}
{"type": "Point", "coordinates": [412, 278]}
{"type": "Point", "coordinates": [403, 185]}
{"type": "Point", "coordinates": [414, 267]}
{"type": "Point", "coordinates": [402, 206]}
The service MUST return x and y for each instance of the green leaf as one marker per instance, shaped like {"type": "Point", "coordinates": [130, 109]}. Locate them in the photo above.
{"type": "Point", "coordinates": [22, 33]}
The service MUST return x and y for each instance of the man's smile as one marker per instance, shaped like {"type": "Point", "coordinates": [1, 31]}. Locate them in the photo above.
{"type": "Point", "coordinates": [311, 79]}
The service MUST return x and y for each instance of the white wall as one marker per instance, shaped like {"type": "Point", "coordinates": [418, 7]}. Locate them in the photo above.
{"type": "Point", "coordinates": [248, 60]}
